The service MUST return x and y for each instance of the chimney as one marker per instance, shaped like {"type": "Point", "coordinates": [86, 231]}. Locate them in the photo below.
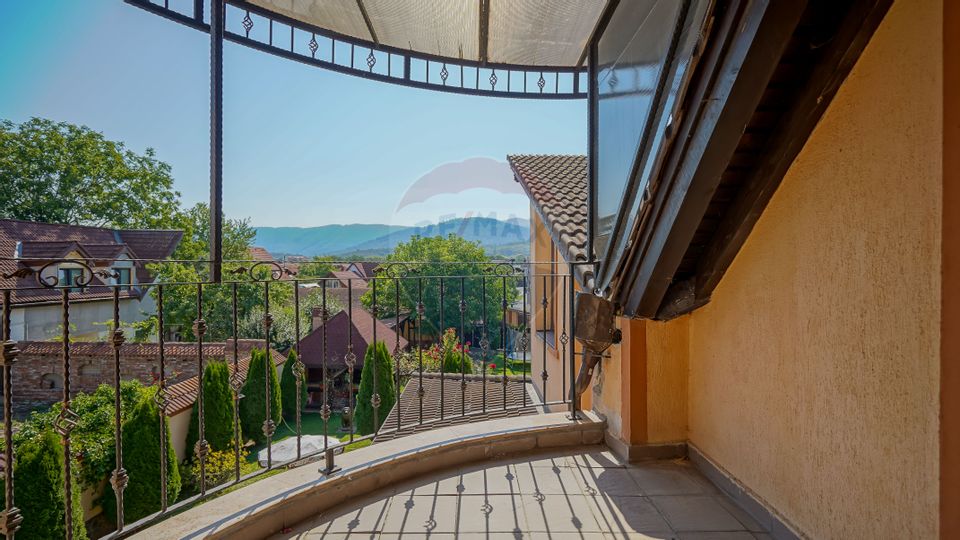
{"type": "Point", "coordinates": [316, 317]}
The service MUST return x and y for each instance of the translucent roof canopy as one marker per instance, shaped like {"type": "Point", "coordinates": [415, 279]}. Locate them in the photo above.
{"type": "Point", "coordinates": [541, 33]}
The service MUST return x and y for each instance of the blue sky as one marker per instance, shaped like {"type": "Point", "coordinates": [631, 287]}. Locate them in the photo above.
{"type": "Point", "coordinates": [303, 146]}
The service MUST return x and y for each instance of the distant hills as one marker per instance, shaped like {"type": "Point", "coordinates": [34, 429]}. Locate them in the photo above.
{"type": "Point", "coordinates": [505, 238]}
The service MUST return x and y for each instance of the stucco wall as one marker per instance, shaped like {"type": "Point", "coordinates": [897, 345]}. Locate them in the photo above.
{"type": "Point", "coordinates": [814, 369]}
{"type": "Point", "coordinates": [667, 380]}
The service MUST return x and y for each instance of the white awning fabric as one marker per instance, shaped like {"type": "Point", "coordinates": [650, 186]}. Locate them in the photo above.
{"type": "Point", "coordinates": [548, 33]}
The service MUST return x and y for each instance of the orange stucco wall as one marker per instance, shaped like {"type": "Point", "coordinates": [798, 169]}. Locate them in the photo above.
{"type": "Point", "coordinates": [814, 369]}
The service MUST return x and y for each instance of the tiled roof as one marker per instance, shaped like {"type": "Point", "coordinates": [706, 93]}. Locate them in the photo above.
{"type": "Point", "coordinates": [260, 254]}
{"type": "Point", "coordinates": [183, 394]}
{"type": "Point", "coordinates": [52, 241]}
{"type": "Point", "coordinates": [348, 278]}
{"type": "Point", "coordinates": [454, 408]}
{"type": "Point", "coordinates": [557, 185]}
{"type": "Point", "coordinates": [365, 269]}
{"type": "Point", "coordinates": [311, 346]}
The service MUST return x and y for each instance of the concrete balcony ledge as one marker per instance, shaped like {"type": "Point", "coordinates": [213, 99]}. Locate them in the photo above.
{"type": "Point", "coordinates": [269, 506]}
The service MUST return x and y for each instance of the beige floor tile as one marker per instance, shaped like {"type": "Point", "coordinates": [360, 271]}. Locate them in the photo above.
{"type": "Point", "coordinates": [696, 513]}
{"type": "Point", "coordinates": [418, 515]}
{"type": "Point", "coordinates": [497, 480]}
{"type": "Point", "coordinates": [630, 515]}
{"type": "Point", "coordinates": [611, 482]}
{"type": "Point", "coordinates": [720, 535]}
{"type": "Point", "coordinates": [749, 523]}
{"type": "Point", "coordinates": [560, 513]}
{"type": "Point", "coordinates": [597, 460]}
{"type": "Point", "coordinates": [491, 513]}
{"type": "Point", "coordinates": [567, 536]}
{"type": "Point", "coordinates": [666, 480]}
{"type": "Point", "coordinates": [365, 518]}
{"type": "Point", "coordinates": [547, 480]}
{"type": "Point", "coordinates": [639, 536]}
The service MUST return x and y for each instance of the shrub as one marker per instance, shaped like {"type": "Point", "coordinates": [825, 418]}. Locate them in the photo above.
{"type": "Point", "coordinates": [218, 469]}
{"type": "Point", "coordinates": [377, 358]}
{"type": "Point", "coordinates": [38, 490]}
{"type": "Point", "coordinates": [452, 353]}
{"type": "Point", "coordinates": [141, 459]}
{"type": "Point", "coordinates": [91, 441]}
{"type": "Point", "coordinates": [252, 406]}
{"type": "Point", "coordinates": [217, 410]}
{"type": "Point", "coordinates": [288, 387]}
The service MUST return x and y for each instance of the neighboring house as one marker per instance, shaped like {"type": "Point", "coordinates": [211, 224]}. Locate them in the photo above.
{"type": "Point", "coordinates": [183, 394]}
{"type": "Point", "coordinates": [467, 398]}
{"type": "Point", "coordinates": [341, 333]}
{"type": "Point", "coordinates": [66, 254]}
{"type": "Point", "coordinates": [260, 254]}
{"type": "Point", "coordinates": [365, 269]}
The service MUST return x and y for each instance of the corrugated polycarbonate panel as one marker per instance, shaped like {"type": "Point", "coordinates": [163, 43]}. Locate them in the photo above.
{"type": "Point", "coordinates": [541, 33]}
{"type": "Point", "coordinates": [342, 16]}
{"type": "Point", "coordinates": [448, 28]}
{"type": "Point", "coordinates": [549, 33]}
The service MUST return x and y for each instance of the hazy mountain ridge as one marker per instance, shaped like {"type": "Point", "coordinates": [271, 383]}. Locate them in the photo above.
{"type": "Point", "coordinates": [379, 239]}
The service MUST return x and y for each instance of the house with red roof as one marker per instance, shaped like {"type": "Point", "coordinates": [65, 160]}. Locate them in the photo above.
{"type": "Point", "coordinates": [36, 257]}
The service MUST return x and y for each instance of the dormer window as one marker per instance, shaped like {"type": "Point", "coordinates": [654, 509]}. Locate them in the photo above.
{"type": "Point", "coordinates": [123, 278]}
{"type": "Point", "coordinates": [69, 277]}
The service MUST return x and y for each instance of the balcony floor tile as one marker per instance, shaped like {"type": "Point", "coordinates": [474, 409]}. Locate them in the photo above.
{"type": "Point", "coordinates": [585, 495]}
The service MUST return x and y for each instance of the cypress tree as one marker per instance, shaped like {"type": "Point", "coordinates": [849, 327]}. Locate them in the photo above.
{"type": "Point", "coordinates": [288, 387]}
{"type": "Point", "coordinates": [141, 459]}
{"type": "Point", "coordinates": [217, 409]}
{"type": "Point", "coordinates": [39, 493]}
{"type": "Point", "coordinates": [377, 358]}
{"type": "Point", "coordinates": [252, 406]}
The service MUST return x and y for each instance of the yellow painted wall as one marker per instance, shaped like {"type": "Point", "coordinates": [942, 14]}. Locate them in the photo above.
{"type": "Point", "coordinates": [667, 380]}
{"type": "Point", "coordinates": [814, 370]}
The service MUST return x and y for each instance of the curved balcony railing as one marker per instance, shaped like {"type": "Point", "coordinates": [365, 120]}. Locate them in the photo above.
{"type": "Point", "coordinates": [458, 336]}
{"type": "Point", "coordinates": [264, 30]}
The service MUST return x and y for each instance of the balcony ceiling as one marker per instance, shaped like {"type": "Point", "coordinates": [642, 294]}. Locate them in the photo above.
{"type": "Point", "coordinates": [548, 33]}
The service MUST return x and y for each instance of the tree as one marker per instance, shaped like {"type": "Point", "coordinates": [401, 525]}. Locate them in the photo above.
{"type": "Point", "coordinates": [253, 404]}
{"type": "Point", "coordinates": [288, 387]}
{"type": "Point", "coordinates": [376, 358]}
{"type": "Point", "coordinates": [467, 265]}
{"type": "Point", "coordinates": [62, 173]}
{"type": "Point", "coordinates": [141, 459]}
{"type": "Point", "coordinates": [318, 266]}
{"type": "Point", "coordinates": [217, 410]}
{"type": "Point", "coordinates": [38, 491]}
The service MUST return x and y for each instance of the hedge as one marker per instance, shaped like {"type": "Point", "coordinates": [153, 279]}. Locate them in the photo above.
{"type": "Point", "coordinates": [252, 406]}
{"type": "Point", "coordinates": [38, 490]}
{"type": "Point", "coordinates": [141, 459]}
{"type": "Point", "coordinates": [377, 358]}
{"type": "Point", "coordinates": [217, 410]}
{"type": "Point", "coordinates": [288, 388]}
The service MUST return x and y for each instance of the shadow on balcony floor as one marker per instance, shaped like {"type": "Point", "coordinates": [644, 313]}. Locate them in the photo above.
{"type": "Point", "coordinates": [556, 496]}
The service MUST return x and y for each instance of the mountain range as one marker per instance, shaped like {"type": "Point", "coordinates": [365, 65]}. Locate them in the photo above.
{"type": "Point", "coordinates": [506, 238]}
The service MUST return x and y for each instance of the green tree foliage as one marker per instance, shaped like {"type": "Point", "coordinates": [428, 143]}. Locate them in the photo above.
{"type": "Point", "coordinates": [450, 256]}
{"type": "Point", "coordinates": [253, 404]}
{"type": "Point", "coordinates": [91, 441]}
{"type": "Point", "coordinates": [288, 387]}
{"type": "Point", "coordinates": [217, 410]}
{"type": "Point", "coordinates": [376, 358]}
{"type": "Point", "coordinates": [141, 459]}
{"type": "Point", "coordinates": [38, 490]}
{"type": "Point", "coordinates": [63, 173]}
{"type": "Point", "coordinates": [319, 266]}
{"type": "Point", "coordinates": [218, 468]}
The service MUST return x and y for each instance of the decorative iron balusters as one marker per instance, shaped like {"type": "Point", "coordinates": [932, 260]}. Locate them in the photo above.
{"type": "Point", "coordinates": [11, 519]}
{"type": "Point", "coordinates": [119, 479]}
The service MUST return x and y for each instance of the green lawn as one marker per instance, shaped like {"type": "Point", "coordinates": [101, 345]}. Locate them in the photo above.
{"type": "Point", "coordinates": [513, 367]}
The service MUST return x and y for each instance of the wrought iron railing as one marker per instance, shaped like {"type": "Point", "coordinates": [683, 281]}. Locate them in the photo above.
{"type": "Point", "coordinates": [492, 303]}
